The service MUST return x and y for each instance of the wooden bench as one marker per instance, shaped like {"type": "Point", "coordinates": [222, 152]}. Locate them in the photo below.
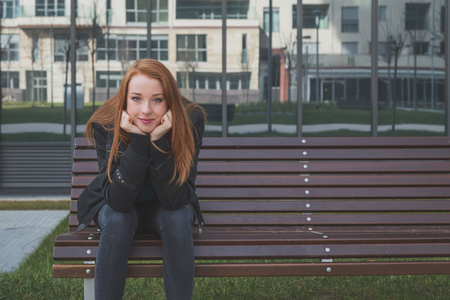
{"type": "Point", "coordinates": [318, 206]}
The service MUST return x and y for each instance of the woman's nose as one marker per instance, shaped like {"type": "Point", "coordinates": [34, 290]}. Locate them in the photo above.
{"type": "Point", "coordinates": [147, 107]}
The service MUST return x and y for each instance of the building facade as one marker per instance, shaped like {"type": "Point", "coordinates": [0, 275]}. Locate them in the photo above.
{"type": "Point", "coordinates": [187, 37]}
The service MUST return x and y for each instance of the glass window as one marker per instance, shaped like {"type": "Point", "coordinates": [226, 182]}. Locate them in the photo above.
{"type": "Point", "coordinates": [416, 16]}
{"type": "Point", "coordinates": [9, 9]}
{"type": "Point", "coordinates": [36, 86]}
{"type": "Point", "coordinates": [309, 16]}
{"type": "Point", "coordinates": [275, 19]}
{"type": "Point", "coordinates": [50, 8]}
{"type": "Point", "coordinates": [160, 11]}
{"type": "Point", "coordinates": [160, 47]}
{"type": "Point", "coordinates": [383, 13]}
{"type": "Point", "coordinates": [421, 48]}
{"type": "Point", "coordinates": [191, 48]}
{"type": "Point", "coordinates": [115, 78]}
{"type": "Point", "coordinates": [62, 49]}
{"type": "Point", "coordinates": [211, 81]}
{"type": "Point", "coordinates": [349, 47]}
{"type": "Point", "coordinates": [107, 48]}
{"type": "Point", "coordinates": [188, 9]}
{"type": "Point", "coordinates": [136, 11]}
{"type": "Point", "coordinates": [10, 80]}
{"type": "Point", "coordinates": [10, 47]}
{"type": "Point", "coordinates": [350, 20]}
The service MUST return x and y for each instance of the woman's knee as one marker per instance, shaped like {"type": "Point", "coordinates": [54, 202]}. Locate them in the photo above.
{"type": "Point", "coordinates": [118, 222]}
{"type": "Point", "coordinates": [176, 224]}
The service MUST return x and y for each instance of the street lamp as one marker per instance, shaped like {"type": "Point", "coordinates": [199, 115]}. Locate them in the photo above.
{"type": "Point", "coordinates": [317, 13]}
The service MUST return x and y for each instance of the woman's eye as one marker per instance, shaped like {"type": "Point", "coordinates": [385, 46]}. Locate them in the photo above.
{"type": "Point", "coordinates": [135, 98]}
{"type": "Point", "coordinates": [158, 100]}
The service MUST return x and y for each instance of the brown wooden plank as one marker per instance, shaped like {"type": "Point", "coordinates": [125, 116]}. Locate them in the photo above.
{"type": "Point", "coordinates": [286, 142]}
{"type": "Point", "coordinates": [317, 219]}
{"type": "Point", "coordinates": [273, 269]}
{"type": "Point", "coordinates": [317, 180]}
{"type": "Point", "coordinates": [306, 251]}
{"type": "Point", "coordinates": [324, 154]}
{"type": "Point", "coordinates": [280, 206]}
{"type": "Point", "coordinates": [259, 193]}
{"type": "Point", "coordinates": [330, 142]}
{"type": "Point", "coordinates": [324, 193]}
{"type": "Point", "coordinates": [269, 238]}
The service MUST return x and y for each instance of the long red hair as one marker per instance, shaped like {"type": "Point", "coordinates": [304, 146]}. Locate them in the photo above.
{"type": "Point", "coordinates": [182, 146]}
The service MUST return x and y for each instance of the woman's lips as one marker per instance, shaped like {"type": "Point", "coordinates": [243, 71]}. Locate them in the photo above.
{"type": "Point", "coordinates": [146, 121]}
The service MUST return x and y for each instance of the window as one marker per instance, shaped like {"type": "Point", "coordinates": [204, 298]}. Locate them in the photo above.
{"type": "Point", "coordinates": [131, 48]}
{"type": "Point", "coordinates": [421, 48]}
{"type": "Point", "coordinates": [350, 21]}
{"type": "Point", "coordinates": [275, 19]}
{"type": "Point", "coordinates": [136, 11]}
{"type": "Point", "coordinates": [382, 13]}
{"type": "Point", "coordinates": [160, 47]}
{"type": "Point", "coordinates": [416, 16]}
{"type": "Point", "coordinates": [349, 48]}
{"type": "Point", "coordinates": [9, 9]}
{"type": "Point", "coordinates": [35, 56]}
{"type": "Point", "coordinates": [191, 47]}
{"type": "Point", "coordinates": [10, 47]}
{"type": "Point", "coordinates": [10, 80]}
{"type": "Point", "coordinates": [244, 49]}
{"type": "Point", "coordinates": [212, 81]}
{"type": "Point", "coordinates": [61, 45]}
{"type": "Point", "coordinates": [212, 9]}
{"type": "Point", "coordinates": [442, 19]}
{"type": "Point", "coordinates": [45, 8]}
{"type": "Point", "coordinates": [115, 78]}
{"type": "Point", "coordinates": [309, 16]}
{"type": "Point", "coordinates": [160, 11]}
{"type": "Point", "coordinates": [102, 50]}
{"type": "Point", "coordinates": [36, 86]}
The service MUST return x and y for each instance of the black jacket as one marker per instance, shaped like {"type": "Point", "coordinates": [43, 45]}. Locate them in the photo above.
{"type": "Point", "coordinates": [136, 168]}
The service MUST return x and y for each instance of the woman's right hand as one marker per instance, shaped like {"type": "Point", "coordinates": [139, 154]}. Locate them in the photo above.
{"type": "Point", "coordinates": [126, 123]}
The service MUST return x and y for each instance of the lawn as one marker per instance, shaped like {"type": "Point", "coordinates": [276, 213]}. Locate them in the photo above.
{"type": "Point", "coordinates": [256, 113]}
{"type": "Point", "coordinates": [33, 280]}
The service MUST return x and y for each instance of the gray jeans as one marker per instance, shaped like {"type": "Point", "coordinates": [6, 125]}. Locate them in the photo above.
{"type": "Point", "coordinates": [117, 231]}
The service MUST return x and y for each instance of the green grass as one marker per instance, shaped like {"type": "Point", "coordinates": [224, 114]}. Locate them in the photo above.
{"type": "Point", "coordinates": [33, 280]}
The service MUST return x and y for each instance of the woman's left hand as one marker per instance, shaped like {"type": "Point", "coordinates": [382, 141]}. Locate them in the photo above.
{"type": "Point", "coordinates": [163, 128]}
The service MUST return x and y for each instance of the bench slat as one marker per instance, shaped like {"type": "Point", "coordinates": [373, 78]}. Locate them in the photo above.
{"type": "Point", "coordinates": [295, 180]}
{"type": "Point", "coordinates": [273, 269]}
{"type": "Point", "coordinates": [296, 154]}
{"type": "Point", "coordinates": [384, 250]}
{"type": "Point", "coordinates": [306, 206]}
{"type": "Point", "coordinates": [316, 219]}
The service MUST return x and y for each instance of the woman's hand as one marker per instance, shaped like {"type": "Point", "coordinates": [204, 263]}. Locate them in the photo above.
{"type": "Point", "coordinates": [163, 128]}
{"type": "Point", "coordinates": [126, 123]}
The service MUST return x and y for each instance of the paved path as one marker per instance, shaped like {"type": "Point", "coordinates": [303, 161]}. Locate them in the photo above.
{"type": "Point", "coordinates": [243, 129]}
{"type": "Point", "coordinates": [21, 232]}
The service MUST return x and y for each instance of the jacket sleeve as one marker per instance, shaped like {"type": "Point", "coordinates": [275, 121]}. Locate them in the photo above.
{"type": "Point", "coordinates": [128, 175]}
{"type": "Point", "coordinates": [170, 194]}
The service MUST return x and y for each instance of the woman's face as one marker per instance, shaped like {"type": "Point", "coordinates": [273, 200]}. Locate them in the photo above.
{"type": "Point", "coordinates": [145, 102]}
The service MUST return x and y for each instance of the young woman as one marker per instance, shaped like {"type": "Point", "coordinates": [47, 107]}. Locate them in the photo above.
{"type": "Point", "coordinates": [147, 139]}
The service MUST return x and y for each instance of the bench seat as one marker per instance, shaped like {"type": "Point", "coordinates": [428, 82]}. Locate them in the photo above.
{"type": "Point", "coordinates": [297, 207]}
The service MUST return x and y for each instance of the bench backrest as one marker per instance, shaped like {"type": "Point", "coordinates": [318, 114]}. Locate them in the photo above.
{"type": "Point", "coordinates": [329, 183]}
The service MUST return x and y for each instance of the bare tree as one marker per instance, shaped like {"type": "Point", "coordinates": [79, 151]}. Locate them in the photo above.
{"type": "Point", "coordinates": [96, 36]}
{"type": "Point", "coordinates": [418, 32]}
{"type": "Point", "coordinates": [395, 37]}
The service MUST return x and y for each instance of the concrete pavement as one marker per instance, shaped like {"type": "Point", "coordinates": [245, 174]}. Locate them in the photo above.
{"type": "Point", "coordinates": [242, 129]}
{"type": "Point", "coordinates": [21, 232]}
